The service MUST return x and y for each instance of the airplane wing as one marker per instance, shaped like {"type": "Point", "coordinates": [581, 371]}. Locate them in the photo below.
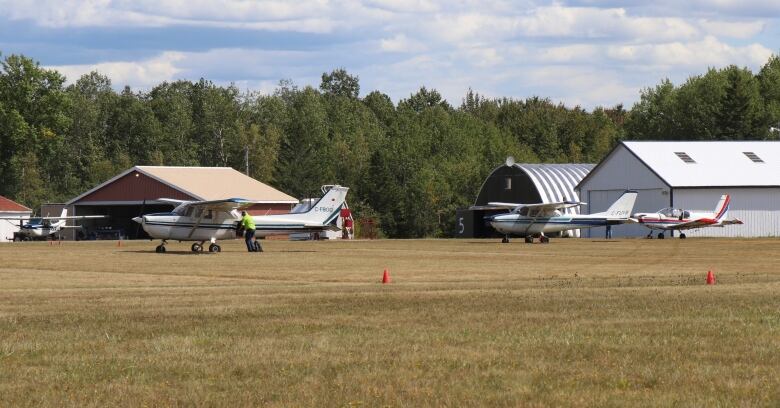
{"type": "Point", "coordinates": [544, 207]}
{"type": "Point", "coordinates": [496, 206]}
{"type": "Point", "coordinates": [70, 217]}
{"type": "Point", "coordinates": [225, 205]}
{"type": "Point", "coordinates": [697, 223]}
{"type": "Point", "coordinates": [550, 207]}
{"type": "Point", "coordinates": [731, 221]}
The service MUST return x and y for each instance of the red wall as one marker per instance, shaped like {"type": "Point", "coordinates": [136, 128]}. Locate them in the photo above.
{"type": "Point", "coordinates": [134, 186]}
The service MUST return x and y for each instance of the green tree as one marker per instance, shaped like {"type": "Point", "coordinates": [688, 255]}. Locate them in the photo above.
{"type": "Point", "coordinates": [340, 83]}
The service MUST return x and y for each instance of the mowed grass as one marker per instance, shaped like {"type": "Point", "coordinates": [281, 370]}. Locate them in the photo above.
{"type": "Point", "coordinates": [463, 323]}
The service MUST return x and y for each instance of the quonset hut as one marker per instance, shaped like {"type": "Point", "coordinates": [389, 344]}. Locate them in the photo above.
{"type": "Point", "coordinates": [521, 183]}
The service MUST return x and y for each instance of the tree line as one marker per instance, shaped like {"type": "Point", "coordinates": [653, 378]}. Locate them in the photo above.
{"type": "Point", "coordinates": [409, 164]}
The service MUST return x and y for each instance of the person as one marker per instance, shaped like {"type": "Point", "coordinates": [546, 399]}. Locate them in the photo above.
{"type": "Point", "coordinates": [248, 224]}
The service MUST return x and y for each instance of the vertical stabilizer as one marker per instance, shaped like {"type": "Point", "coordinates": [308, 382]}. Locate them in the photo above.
{"type": "Point", "coordinates": [325, 210]}
{"type": "Point", "coordinates": [723, 206]}
{"type": "Point", "coordinates": [621, 209]}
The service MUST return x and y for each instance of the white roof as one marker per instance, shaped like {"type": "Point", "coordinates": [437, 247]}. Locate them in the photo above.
{"type": "Point", "coordinates": [716, 164]}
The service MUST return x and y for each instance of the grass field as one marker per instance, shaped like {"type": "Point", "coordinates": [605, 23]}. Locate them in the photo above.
{"type": "Point", "coordinates": [463, 323]}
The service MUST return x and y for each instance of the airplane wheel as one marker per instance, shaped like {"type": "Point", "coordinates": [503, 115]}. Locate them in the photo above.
{"type": "Point", "coordinates": [196, 247]}
{"type": "Point", "coordinates": [682, 236]}
{"type": "Point", "coordinates": [529, 239]}
{"type": "Point", "coordinates": [160, 249]}
{"type": "Point", "coordinates": [544, 239]}
{"type": "Point", "coordinates": [505, 240]}
{"type": "Point", "coordinates": [661, 235]}
{"type": "Point", "coordinates": [214, 248]}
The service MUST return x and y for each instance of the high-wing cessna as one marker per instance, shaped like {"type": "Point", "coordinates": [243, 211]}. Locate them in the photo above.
{"type": "Point", "coordinates": [530, 220]}
{"type": "Point", "coordinates": [203, 221]}
{"type": "Point", "coordinates": [42, 227]}
{"type": "Point", "coordinates": [669, 219]}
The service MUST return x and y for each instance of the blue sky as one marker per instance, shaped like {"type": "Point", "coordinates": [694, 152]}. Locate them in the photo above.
{"type": "Point", "coordinates": [579, 52]}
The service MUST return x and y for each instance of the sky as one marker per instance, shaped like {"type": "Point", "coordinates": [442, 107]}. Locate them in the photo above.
{"type": "Point", "coordinates": [579, 52]}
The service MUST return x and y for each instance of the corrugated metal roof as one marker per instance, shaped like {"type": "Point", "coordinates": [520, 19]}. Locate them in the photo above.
{"type": "Point", "coordinates": [8, 205]}
{"type": "Point", "coordinates": [717, 164]}
{"type": "Point", "coordinates": [206, 183]}
{"type": "Point", "coordinates": [556, 182]}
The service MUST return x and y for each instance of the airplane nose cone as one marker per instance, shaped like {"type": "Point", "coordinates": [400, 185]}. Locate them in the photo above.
{"type": "Point", "coordinates": [139, 220]}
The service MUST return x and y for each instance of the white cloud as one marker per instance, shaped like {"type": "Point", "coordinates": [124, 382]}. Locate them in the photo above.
{"type": "Point", "coordinates": [733, 29]}
{"type": "Point", "coordinates": [401, 43]}
{"type": "Point", "coordinates": [141, 74]}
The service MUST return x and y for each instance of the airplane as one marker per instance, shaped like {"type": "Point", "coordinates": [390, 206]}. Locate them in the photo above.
{"type": "Point", "coordinates": [203, 221]}
{"type": "Point", "coordinates": [678, 219]}
{"type": "Point", "coordinates": [42, 227]}
{"type": "Point", "coordinates": [530, 220]}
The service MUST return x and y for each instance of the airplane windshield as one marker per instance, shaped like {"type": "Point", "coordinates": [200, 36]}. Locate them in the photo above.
{"type": "Point", "coordinates": [671, 212]}
{"type": "Point", "coordinates": [35, 221]}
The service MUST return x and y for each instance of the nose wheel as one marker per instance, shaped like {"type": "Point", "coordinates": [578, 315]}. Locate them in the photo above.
{"type": "Point", "coordinates": [160, 249]}
{"type": "Point", "coordinates": [215, 248]}
{"type": "Point", "coordinates": [682, 236]}
{"type": "Point", "coordinates": [661, 235]}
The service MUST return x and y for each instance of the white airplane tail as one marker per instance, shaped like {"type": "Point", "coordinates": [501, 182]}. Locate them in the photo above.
{"type": "Point", "coordinates": [326, 209]}
{"type": "Point", "coordinates": [64, 212]}
{"type": "Point", "coordinates": [722, 209]}
{"type": "Point", "coordinates": [622, 207]}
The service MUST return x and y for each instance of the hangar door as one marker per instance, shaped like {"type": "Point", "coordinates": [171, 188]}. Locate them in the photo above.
{"type": "Point", "coordinates": [648, 200]}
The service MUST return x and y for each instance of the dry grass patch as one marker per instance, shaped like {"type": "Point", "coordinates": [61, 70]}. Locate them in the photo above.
{"type": "Point", "coordinates": [574, 323]}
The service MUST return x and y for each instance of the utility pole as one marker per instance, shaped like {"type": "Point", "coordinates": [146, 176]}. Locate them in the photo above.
{"type": "Point", "coordinates": [246, 159]}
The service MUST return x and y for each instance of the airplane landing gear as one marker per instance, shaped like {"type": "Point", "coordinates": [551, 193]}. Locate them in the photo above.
{"type": "Point", "coordinates": [529, 239]}
{"type": "Point", "coordinates": [649, 235]}
{"type": "Point", "coordinates": [160, 248]}
{"type": "Point", "coordinates": [505, 240]}
{"type": "Point", "coordinates": [544, 239]}
{"type": "Point", "coordinates": [197, 247]}
{"type": "Point", "coordinates": [682, 236]}
{"type": "Point", "coordinates": [215, 248]}
{"type": "Point", "coordinates": [661, 235]}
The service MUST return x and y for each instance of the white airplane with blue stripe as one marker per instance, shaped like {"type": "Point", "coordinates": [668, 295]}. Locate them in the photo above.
{"type": "Point", "coordinates": [42, 227]}
{"type": "Point", "coordinates": [536, 220]}
{"type": "Point", "coordinates": [209, 221]}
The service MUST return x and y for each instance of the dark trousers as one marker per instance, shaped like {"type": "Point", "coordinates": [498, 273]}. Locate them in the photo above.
{"type": "Point", "coordinates": [250, 244]}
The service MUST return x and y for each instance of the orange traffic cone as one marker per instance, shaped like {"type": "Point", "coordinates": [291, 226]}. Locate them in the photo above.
{"type": "Point", "coordinates": [385, 277]}
{"type": "Point", "coordinates": [710, 277]}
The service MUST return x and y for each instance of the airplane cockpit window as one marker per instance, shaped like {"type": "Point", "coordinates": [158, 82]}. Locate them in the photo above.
{"type": "Point", "coordinates": [209, 215]}
{"type": "Point", "coordinates": [35, 221]}
{"type": "Point", "coordinates": [686, 214]}
{"type": "Point", "coordinates": [671, 212]}
{"type": "Point", "coordinates": [523, 211]}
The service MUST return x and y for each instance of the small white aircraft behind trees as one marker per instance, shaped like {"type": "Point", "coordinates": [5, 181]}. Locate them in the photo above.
{"type": "Point", "coordinates": [670, 219]}
{"type": "Point", "coordinates": [530, 220]}
{"type": "Point", "coordinates": [42, 227]}
{"type": "Point", "coordinates": [209, 221]}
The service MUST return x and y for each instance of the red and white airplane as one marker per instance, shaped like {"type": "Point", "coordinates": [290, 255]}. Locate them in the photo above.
{"type": "Point", "coordinates": [678, 219]}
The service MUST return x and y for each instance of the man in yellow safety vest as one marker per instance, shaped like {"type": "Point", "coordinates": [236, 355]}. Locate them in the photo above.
{"type": "Point", "coordinates": [248, 224]}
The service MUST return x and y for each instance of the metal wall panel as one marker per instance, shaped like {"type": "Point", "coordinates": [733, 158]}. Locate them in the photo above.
{"type": "Point", "coordinates": [648, 200]}
{"type": "Point", "coordinates": [758, 208]}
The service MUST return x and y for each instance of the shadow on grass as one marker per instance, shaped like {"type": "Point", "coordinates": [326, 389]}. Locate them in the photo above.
{"type": "Point", "coordinates": [151, 251]}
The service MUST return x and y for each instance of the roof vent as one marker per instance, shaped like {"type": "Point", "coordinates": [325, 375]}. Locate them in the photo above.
{"type": "Point", "coordinates": [753, 156]}
{"type": "Point", "coordinates": [684, 157]}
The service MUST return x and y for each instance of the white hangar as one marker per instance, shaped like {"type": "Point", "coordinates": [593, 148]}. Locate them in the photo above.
{"type": "Point", "coordinates": [692, 176]}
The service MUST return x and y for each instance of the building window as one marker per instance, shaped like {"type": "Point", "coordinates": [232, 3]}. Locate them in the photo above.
{"type": "Point", "coordinates": [684, 157]}
{"type": "Point", "coordinates": [508, 183]}
{"type": "Point", "coordinates": [753, 156]}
